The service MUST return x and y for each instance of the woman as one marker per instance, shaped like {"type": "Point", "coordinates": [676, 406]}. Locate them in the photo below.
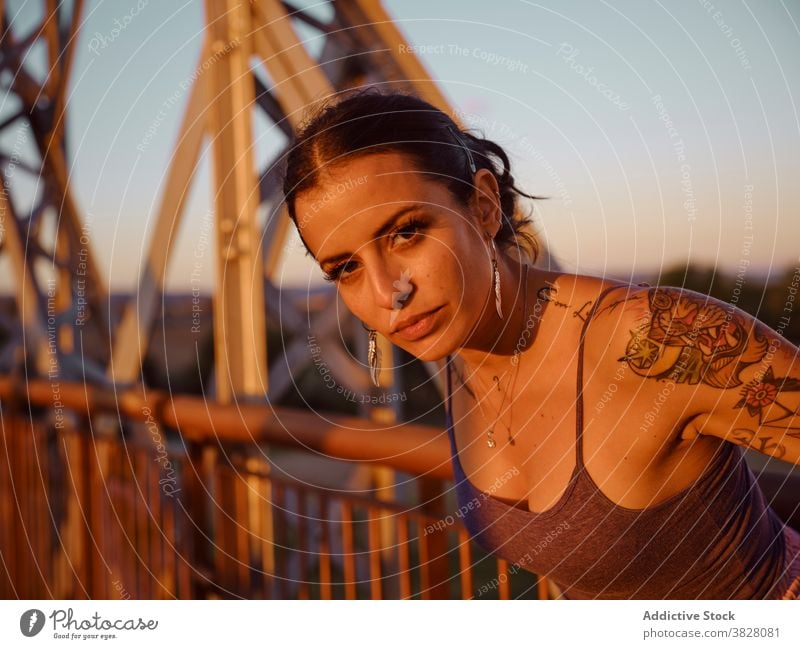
{"type": "Point", "coordinates": [600, 427]}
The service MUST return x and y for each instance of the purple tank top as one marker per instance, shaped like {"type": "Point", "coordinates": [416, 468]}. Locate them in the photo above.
{"type": "Point", "coordinates": [716, 539]}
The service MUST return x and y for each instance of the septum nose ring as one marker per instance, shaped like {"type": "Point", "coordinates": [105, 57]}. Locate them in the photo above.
{"type": "Point", "coordinates": [404, 288]}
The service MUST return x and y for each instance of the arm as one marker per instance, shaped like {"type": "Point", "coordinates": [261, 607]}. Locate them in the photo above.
{"type": "Point", "coordinates": [738, 379]}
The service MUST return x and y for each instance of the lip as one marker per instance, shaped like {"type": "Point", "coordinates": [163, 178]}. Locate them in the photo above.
{"type": "Point", "coordinates": [416, 326]}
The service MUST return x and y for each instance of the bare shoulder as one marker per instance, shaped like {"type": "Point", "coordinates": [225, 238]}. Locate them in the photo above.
{"type": "Point", "coordinates": [648, 326]}
{"type": "Point", "coordinates": [687, 342]}
{"type": "Point", "coordinates": [581, 292]}
{"type": "Point", "coordinates": [673, 333]}
{"type": "Point", "coordinates": [656, 359]}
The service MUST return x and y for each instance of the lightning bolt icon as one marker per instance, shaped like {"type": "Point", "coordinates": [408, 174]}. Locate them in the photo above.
{"type": "Point", "coordinates": [32, 621]}
{"type": "Point", "coordinates": [404, 288]}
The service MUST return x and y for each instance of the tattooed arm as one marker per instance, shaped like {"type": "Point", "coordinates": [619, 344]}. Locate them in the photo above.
{"type": "Point", "coordinates": [739, 380]}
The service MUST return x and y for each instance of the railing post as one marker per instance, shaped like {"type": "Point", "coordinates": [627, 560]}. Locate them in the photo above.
{"type": "Point", "coordinates": [197, 481]}
{"type": "Point", "coordinates": [434, 563]}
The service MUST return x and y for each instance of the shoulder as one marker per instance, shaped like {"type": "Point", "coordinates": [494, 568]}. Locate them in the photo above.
{"type": "Point", "coordinates": [574, 301]}
{"type": "Point", "coordinates": [607, 302]}
{"type": "Point", "coordinates": [695, 345]}
{"type": "Point", "coordinates": [661, 332]}
{"type": "Point", "coordinates": [673, 333]}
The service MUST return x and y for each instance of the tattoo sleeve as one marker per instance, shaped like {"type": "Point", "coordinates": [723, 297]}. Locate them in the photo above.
{"type": "Point", "coordinates": [689, 340]}
{"type": "Point", "coordinates": [692, 339]}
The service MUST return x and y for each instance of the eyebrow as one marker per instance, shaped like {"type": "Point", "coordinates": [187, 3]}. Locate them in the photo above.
{"type": "Point", "coordinates": [380, 232]}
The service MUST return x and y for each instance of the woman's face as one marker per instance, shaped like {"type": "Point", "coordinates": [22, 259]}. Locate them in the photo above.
{"type": "Point", "coordinates": [381, 228]}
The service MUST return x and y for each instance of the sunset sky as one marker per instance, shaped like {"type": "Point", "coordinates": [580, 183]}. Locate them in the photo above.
{"type": "Point", "coordinates": [665, 132]}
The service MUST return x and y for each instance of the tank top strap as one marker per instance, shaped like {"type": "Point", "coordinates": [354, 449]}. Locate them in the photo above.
{"type": "Point", "coordinates": [579, 397]}
{"type": "Point", "coordinates": [579, 402]}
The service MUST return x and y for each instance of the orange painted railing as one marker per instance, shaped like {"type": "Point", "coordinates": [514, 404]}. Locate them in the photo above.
{"type": "Point", "coordinates": [117, 495]}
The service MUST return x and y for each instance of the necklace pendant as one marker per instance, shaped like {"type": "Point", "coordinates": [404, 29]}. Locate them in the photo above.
{"type": "Point", "coordinates": [491, 443]}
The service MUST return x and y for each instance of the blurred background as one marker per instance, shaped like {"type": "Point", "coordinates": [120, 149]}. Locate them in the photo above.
{"type": "Point", "coordinates": [570, 89]}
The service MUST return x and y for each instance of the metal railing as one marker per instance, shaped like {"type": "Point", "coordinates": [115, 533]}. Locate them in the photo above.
{"type": "Point", "coordinates": [133, 495]}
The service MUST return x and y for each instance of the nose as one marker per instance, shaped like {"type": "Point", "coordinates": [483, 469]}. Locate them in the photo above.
{"type": "Point", "coordinates": [381, 282]}
{"type": "Point", "coordinates": [391, 286]}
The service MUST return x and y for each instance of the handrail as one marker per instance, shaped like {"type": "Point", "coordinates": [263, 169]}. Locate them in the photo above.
{"type": "Point", "coordinates": [418, 449]}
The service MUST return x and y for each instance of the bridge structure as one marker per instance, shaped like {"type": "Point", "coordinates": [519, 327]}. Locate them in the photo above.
{"type": "Point", "coordinates": [114, 488]}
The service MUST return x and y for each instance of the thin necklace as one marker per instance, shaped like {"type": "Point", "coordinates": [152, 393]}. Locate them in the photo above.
{"type": "Point", "coordinates": [490, 441]}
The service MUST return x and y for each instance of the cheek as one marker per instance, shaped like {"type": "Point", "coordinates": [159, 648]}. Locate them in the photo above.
{"type": "Point", "coordinates": [469, 254]}
{"type": "Point", "coordinates": [356, 303]}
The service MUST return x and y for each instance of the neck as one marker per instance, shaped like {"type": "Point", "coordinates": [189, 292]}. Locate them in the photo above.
{"type": "Point", "coordinates": [492, 344]}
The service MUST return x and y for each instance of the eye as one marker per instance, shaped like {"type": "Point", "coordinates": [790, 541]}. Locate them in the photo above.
{"type": "Point", "coordinates": [338, 272]}
{"type": "Point", "coordinates": [408, 231]}
{"type": "Point", "coordinates": [402, 235]}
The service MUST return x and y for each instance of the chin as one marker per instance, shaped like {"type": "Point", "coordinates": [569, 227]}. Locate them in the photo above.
{"type": "Point", "coordinates": [428, 352]}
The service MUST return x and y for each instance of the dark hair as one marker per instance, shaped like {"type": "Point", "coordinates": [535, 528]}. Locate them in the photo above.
{"type": "Point", "coordinates": [368, 121]}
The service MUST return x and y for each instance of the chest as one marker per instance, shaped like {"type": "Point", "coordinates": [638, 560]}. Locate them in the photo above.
{"type": "Point", "coordinates": [624, 455]}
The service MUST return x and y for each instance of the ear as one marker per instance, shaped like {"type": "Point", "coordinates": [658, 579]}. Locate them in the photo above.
{"type": "Point", "coordinates": [486, 201]}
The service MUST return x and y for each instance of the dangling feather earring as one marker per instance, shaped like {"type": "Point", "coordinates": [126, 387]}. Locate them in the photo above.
{"type": "Point", "coordinates": [496, 281]}
{"type": "Point", "coordinates": [374, 357]}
